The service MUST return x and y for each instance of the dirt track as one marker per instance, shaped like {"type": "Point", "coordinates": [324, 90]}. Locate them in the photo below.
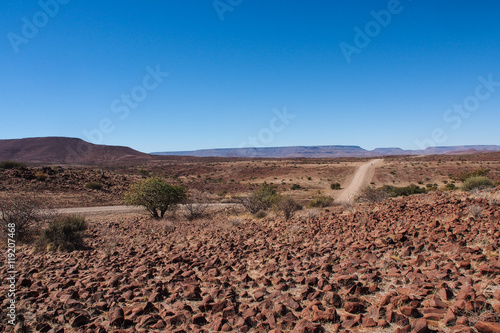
{"type": "Point", "coordinates": [111, 210]}
{"type": "Point", "coordinates": [361, 178]}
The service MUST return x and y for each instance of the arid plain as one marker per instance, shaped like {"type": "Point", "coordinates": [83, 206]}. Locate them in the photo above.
{"type": "Point", "coordinates": [424, 262]}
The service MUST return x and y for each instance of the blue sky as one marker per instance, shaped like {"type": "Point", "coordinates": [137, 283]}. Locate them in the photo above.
{"type": "Point", "coordinates": [251, 73]}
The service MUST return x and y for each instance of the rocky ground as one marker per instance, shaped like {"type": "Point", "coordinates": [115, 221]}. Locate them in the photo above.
{"type": "Point", "coordinates": [421, 263]}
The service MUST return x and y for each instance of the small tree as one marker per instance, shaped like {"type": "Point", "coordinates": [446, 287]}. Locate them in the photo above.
{"type": "Point", "coordinates": [155, 195]}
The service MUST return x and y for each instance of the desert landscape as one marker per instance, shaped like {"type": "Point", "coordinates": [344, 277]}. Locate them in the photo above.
{"type": "Point", "coordinates": [422, 262]}
{"type": "Point", "coordinates": [250, 166]}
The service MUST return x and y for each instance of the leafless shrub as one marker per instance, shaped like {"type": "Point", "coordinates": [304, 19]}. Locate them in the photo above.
{"type": "Point", "coordinates": [369, 194]}
{"type": "Point", "coordinates": [476, 211]}
{"type": "Point", "coordinates": [25, 212]}
{"type": "Point", "coordinates": [235, 221]}
{"type": "Point", "coordinates": [195, 210]}
{"type": "Point", "coordinates": [311, 214]}
{"type": "Point", "coordinates": [168, 227]}
{"type": "Point", "coordinates": [287, 206]}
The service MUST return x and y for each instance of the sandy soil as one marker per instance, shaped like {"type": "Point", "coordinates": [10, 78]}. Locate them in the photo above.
{"type": "Point", "coordinates": [361, 178]}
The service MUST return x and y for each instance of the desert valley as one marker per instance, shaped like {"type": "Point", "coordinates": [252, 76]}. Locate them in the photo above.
{"type": "Point", "coordinates": [371, 244]}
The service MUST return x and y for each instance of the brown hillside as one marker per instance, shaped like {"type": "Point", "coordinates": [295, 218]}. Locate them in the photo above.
{"type": "Point", "coordinates": [66, 150]}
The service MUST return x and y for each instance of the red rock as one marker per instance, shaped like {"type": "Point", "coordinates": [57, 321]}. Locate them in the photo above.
{"type": "Point", "coordinates": [216, 324]}
{"type": "Point", "coordinates": [226, 328]}
{"type": "Point", "coordinates": [410, 312]}
{"type": "Point", "coordinates": [192, 293]}
{"type": "Point", "coordinates": [155, 297]}
{"type": "Point", "coordinates": [486, 327]}
{"type": "Point", "coordinates": [292, 304]}
{"type": "Point", "coordinates": [311, 280]}
{"type": "Point", "coordinates": [450, 318]}
{"type": "Point", "coordinates": [116, 316]}
{"type": "Point", "coordinates": [79, 321]}
{"type": "Point", "coordinates": [333, 299]}
{"type": "Point", "coordinates": [496, 307]}
{"type": "Point", "coordinates": [305, 326]}
{"type": "Point", "coordinates": [460, 329]}
{"type": "Point", "coordinates": [354, 307]}
{"type": "Point", "coordinates": [148, 320]}
{"type": "Point", "coordinates": [368, 322]}
{"type": "Point", "coordinates": [259, 294]}
{"type": "Point", "coordinates": [445, 293]}
{"type": "Point", "coordinates": [382, 323]}
{"type": "Point", "coordinates": [462, 321]}
{"type": "Point", "coordinates": [43, 327]}
{"type": "Point", "coordinates": [199, 320]}
{"type": "Point", "coordinates": [386, 299]}
{"type": "Point", "coordinates": [329, 316]}
{"type": "Point", "coordinates": [486, 269]}
{"type": "Point", "coordinates": [420, 326]}
{"type": "Point", "coordinates": [176, 319]}
{"type": "Point", "coordinates": [434, 316]}
{"type": "Point", "coordinates": [436, 302]}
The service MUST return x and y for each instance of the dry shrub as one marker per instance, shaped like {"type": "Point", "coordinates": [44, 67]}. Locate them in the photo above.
{"type": "Point", "coordinates": [369, 194]}
{"type": "Point", "coordinates": [287, 206]}
{"type": "Point", "coordinates": [25, 212]}
{"type": "Point", "coordinates": [65, 233]}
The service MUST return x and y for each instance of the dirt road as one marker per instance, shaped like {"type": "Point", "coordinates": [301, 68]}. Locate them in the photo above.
{"type": "Point", "coordinates": [361, 178]}
{"type": "Point", "coordinates": [111, 210]}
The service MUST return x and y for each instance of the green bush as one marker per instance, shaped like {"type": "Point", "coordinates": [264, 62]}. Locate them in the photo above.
{"type": "Point", "coordinates": [295, 187]}
{"type": "Point", "coordinates": [260, 214]}
{"type": "Point", "coordinates": [94, 186]}
{"type": "Point", "coordinates": [64, 234]}
{"type": "Point", "coordinates": [335, 186]}
{"type": "Point", "coordinates": [11, 165]}
{"type": "Point", "coordinates": [261, 199]}
{"type": "Point", "coordinates": [320, 201]}
{"type": "Point", "coordinates": [393, 191]}
{"type": "Point", "coordinates": [450, 187]}
{"type": "Point", "coordinates": [476, 183]}
{"type": "Point", "coordinates": [41, 176]}
{"type": "Point", "coordinates": [476, 173]}
{"type": "Point", "coordinates": [155, 195]}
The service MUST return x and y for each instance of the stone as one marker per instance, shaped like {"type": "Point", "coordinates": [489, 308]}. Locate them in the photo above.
{"type": "Point", "coordinates": [487, 327]}
{"type": "Point", "coordinates": [369, 322]}
{"type": "Point", "coordinates": [116, 316]}
{"type": "Point", "coordinates": [354, 307]}
{"type": "Point", "coordinates": [79, 321]}
{"type": "Point", "coordinates": [420, 326]}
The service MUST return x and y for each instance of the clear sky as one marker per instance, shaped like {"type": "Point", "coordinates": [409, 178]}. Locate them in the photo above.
{"type": "Point", "coordinates": [185, 74]}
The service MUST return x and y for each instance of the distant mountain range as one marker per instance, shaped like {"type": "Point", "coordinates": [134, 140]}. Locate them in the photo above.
{"type": "Point", "coordinates": [62, 150]}
{"type": "Point", "coordinates": [327, 151]}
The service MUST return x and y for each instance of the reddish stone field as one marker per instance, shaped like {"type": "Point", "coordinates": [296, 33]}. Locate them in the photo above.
{"type": "Point", "coordinates": [421, 263]}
